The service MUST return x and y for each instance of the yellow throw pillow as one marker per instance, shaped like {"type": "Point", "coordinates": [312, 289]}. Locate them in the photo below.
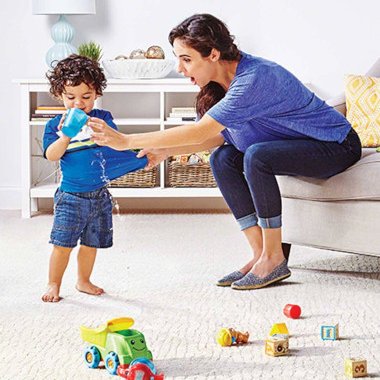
{"type": "Point", "coordinates": [363, 108]}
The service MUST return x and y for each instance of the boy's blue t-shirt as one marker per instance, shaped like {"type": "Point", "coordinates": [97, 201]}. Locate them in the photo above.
{"type": "Point", "coordinates": [266, 102]}
{"type": "Point", "coordinates": [86, 166]}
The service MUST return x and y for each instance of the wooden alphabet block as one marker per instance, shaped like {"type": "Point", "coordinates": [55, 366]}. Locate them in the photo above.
{"type": "Point", "coordinates": [330, 332]}
{"type": "Point", "coordinates": [355, 367]}
{"type": "Point", "coordinates": [277, 346]}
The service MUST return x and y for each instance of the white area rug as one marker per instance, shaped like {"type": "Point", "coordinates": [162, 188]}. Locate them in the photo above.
{"type": "Point", "coordinates": [161, 271]}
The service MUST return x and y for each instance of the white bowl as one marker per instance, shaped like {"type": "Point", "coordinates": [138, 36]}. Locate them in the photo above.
{"type": "Point", "coordinates": [138, 68]}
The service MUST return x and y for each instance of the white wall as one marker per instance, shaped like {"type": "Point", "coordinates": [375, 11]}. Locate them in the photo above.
{"type": "Point", "coordinates": [319, 41]}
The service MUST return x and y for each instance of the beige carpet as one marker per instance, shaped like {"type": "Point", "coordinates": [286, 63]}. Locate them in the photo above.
{"type": "Point", "coordinates": [161, 272]}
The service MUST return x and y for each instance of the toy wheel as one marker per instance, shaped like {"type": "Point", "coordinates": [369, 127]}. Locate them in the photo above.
{"type": "Point", "coordinates": [92, 357]}
{"type": "Point", "coordinates": [112, 362]}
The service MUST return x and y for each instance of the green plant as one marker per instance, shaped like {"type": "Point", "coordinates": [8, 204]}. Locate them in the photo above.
{"type": "Point", "coordinates": [90, 50]}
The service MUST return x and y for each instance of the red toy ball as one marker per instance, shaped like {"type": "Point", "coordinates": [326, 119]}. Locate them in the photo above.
{"type": "Point", "coordinates": [292, 311]}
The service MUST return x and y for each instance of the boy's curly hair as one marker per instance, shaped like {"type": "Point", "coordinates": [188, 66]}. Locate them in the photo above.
{"type": "Point", "coordinates": [74, 70]}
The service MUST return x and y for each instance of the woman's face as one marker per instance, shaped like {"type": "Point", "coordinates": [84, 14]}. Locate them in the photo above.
{"type": "Point", "coordinates": [191, 64]}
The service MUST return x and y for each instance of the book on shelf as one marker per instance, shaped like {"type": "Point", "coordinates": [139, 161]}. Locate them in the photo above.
{"type": "Point", "coordinates": [183, 109]}
{"type": "Point", "coordinates": [43, 115]}
{"type": "Point", "coordinates": [180, 119]}
{"type": "Point", "coordinates": [50, 111]}
{"type": "Point", "coordinates": [174, 114]}
{"type": "Point", "coordinates": [51, 108]}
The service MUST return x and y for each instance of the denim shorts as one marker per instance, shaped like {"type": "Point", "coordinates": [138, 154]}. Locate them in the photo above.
{"type": "Point", "coordinates": [82, 216]}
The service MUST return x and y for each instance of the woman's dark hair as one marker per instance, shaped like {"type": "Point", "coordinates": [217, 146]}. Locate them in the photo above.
{"type": "Point", "coordinates": [203, 32]}
{"type": "Point", "coordinates": [74, 70]}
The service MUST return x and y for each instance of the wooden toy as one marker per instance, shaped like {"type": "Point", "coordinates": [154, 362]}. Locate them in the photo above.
{"type": "Point", "coordinates": [292, 311]}
{"type": "Point", "coordinates": [355, 367]}
{"type": "Point", "coordinates": [330, 332]}
{"type": "Point", "coordinates": [277, 346]}
{"type": "Point", "coordinates": [228, 337]}
{"type": "Point", "coordinates": [279, 328]}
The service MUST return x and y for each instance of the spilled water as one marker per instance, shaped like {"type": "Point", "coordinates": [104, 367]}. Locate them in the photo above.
{"type": "Point", "coordinates": [102, 162]}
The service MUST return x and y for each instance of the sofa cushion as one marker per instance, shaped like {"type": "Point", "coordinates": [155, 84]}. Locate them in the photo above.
{"type": "Point", "coordinates": [363, 107]}
{"type": "Point", "coordinates": [360, 181]}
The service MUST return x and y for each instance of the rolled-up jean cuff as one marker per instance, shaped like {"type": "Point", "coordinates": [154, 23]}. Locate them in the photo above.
{"type": "Point", "coordinates": [274, 222]}
{"type": "Point", "coordinates": [247, 221]}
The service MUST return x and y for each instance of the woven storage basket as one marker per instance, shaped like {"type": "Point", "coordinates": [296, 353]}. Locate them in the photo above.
{"type": "Point", "coordinates": [198, 175]}
{"type": "Point", "coordinates": [139, 178]}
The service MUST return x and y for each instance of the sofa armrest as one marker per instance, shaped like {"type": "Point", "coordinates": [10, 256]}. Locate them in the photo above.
{"type": "Point", "coordinates": [374, 71]}
{"type": "Point", "coordinates": [339, 103]}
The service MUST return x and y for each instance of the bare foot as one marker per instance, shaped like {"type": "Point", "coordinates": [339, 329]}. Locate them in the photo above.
{"type": "Point", "coordinates": [89, 288]}
{"type": "Point", "coordinates": [265, 265]}
{"type": "Point", "coordinates": [52, 293]}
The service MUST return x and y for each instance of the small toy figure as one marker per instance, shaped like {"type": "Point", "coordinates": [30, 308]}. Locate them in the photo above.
{"type": "Point", "coordinates": [330, 332]}
{"type": "Point", "coordinates": [194, 159]}
{"type": "Point", "coordinates": [183, 159]}
{"type": "Point", "coordinates": [277, 346]}
{"type": "Point", "coordinates": [355, 367]}
{"type": "Point", "coordinates": [228, 337]}
{"type": "Point", "coordinates": [279, 328]}
{"type": "Point", "coordinates": [292, 311]}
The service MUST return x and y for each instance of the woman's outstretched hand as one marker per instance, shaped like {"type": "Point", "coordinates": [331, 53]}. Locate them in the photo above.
{"type": "Point", "coordinates": [154, 156]}
{"type": "Point", "coordinates": [105, 135]}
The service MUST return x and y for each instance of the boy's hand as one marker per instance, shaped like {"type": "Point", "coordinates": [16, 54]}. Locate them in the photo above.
{"type": "Point", "coordinates": [61, 121]}
{"type": "Point", "coordinates": [154, 156]}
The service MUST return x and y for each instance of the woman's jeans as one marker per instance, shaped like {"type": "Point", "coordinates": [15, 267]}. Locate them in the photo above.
{"type": "Point", "coordinates": [248, 183]}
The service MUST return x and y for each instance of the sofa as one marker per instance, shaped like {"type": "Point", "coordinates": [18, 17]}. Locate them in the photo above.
{"type": "Point", "coordinates": [341, 213]}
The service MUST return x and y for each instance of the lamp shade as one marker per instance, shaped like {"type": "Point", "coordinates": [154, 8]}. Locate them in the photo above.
{"type": "Point", "coordinates": [63, 7]}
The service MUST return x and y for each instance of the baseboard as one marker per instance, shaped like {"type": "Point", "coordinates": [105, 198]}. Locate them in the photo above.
{"type": "Point", "coordinates": [159, 205]}
{"type": "Point", "coordinates": [10, 198]}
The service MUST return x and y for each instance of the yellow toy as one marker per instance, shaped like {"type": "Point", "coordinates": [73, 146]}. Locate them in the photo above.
{"type": "Point", "coordinates": [277, 346]}
{"type": "Point", "coordinates": [228, 337]}
{"type": "Point", "coordinates": [279, 328]}
{"type": "Point", "coordinates": [355, 367]}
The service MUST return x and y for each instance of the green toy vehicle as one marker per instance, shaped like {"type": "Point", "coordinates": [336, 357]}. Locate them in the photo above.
{"type": "Point", "coordinates": [115, 344]}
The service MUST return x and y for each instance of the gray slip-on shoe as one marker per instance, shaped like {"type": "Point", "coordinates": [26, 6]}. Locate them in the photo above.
{"type": "Point", "coordinates": [251, 281]}
{"type": "Point", "coordinates": [230, 278]}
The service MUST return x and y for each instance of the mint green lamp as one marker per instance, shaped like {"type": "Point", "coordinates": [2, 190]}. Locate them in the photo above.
{"type": "Point", "coordinates": [62, 32]}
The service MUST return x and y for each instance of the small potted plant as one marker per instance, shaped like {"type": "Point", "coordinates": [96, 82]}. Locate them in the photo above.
{"type": "Point", "coordinates": [90, 50]}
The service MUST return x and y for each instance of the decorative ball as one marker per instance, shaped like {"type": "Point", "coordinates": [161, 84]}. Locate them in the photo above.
{"type": "Point", "coordinates": [121, 57]}
{"type": "Point", "coordinates": [155, 52]}
{"type": "Point", "coordinates": [137, 54]}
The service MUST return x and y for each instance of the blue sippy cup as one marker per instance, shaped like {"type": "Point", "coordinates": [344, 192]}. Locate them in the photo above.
{"type": "Point", "coordinates": [75, 120]}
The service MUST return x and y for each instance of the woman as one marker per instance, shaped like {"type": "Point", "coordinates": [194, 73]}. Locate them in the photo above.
{"type": "Point", "coordinates": [264, 121]}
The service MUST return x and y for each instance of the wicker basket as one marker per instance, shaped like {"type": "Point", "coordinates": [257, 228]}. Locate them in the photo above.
{"type": "Point", "coordinates": [139, 178]}
{"type": "Point", "coordinates": [198, 175]}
